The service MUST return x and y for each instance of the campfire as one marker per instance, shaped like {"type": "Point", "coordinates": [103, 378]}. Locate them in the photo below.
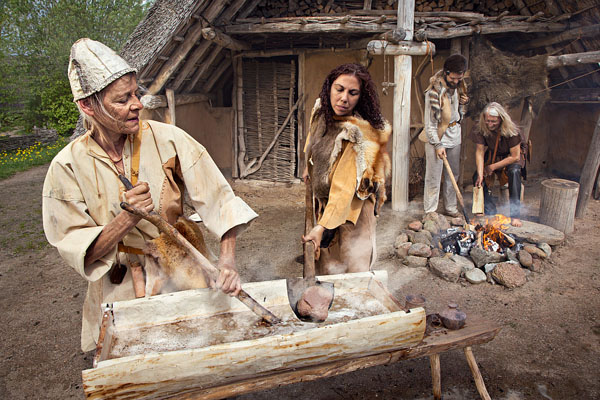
{"type": "Point", "coordinates": [489, 236]}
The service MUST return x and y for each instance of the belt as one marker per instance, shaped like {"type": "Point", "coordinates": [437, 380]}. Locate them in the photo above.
{"type": "Point", "coordinates": [451, 124]}
{"type": "Point", "coordinates": [130, 250]}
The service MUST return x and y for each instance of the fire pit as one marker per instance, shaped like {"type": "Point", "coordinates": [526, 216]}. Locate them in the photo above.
{"type": "Point", "coordinates": [487, 251]}
{"type": "Point", "coordinates": [489, 236]}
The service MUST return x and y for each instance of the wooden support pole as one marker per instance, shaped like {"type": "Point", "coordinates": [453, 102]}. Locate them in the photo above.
{"type": "Point", "coordinates": [436, 376]}
{"type": "Point", "coordinates": [476, 374]}
{"type": "Point", "coordinates": [464, 45]}
{"type": "Point", "coordinates": [223, 40]}
{"type": "Point", "coordinates": [170, 117]}
{"type": "Point", "coordinates": [589, 57]}
{"type": "Point", "coordinates": [589, 171]}
{"type": "Point", "coordinates": [401, 123]}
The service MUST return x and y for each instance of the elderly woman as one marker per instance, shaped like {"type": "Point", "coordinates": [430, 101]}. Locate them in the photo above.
{"type": "Point", "coordinates": [82, 191]}
{"type": "Point", "coordinates": [499, 152]}
{"type": "Point", "coordinates": [347, 163]}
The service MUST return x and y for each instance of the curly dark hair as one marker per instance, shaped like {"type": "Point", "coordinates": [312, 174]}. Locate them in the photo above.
{"type": "Point", "coordinates": [368, 102]}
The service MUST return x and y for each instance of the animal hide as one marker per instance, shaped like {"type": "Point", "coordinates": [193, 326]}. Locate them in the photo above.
{"type": "Point", "coordinates": [169, 268]}
{"type": "Point", "coordinates": [373, 164]}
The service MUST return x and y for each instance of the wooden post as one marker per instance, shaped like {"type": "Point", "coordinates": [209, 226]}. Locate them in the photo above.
{"type": "Point", "coordinates": [465, 42]}
{"type": "Point", "coordinates": [557, 204]}
{"type": "Point", "coordinates": [436, 375]}
{"type": "Point", "coordinates": [302, 130]}
{"type": "Point", "coordinates": [589, 171]}
{"type": "Point", "coordinates": [401, 124]}
{"type": "Point", "coordinates": [476, 374]}
{"type": "Point", "coordinates": [170, 116]}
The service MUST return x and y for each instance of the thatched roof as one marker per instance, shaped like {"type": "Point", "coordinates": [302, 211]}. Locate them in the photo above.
{"type": "Point", "coordinates": [169, 49]}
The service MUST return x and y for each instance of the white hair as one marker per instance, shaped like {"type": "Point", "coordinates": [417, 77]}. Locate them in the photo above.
{"type": "Point", "coordinates": [507, 127]}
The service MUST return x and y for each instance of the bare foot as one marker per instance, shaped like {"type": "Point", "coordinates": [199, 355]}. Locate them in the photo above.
{"type": "Point", "coordinates": [516, 222]}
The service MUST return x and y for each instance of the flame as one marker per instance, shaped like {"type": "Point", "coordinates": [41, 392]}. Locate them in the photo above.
{"type": "Point", "coordinates": [493, 239]}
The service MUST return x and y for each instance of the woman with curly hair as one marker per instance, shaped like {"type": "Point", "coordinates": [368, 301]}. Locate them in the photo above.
{"type": "Point", "coordinates": [347, 164]}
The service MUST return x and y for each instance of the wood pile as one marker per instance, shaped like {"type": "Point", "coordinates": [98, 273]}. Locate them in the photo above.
{"type": "Point", "coordinates": [303, 8]}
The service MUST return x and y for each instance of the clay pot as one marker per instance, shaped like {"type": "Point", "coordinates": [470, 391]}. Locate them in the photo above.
{"type": "Point", "coordinates": [452, 317]}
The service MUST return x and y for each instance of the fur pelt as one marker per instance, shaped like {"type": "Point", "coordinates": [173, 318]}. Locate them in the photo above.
{"type": "Point", "coordinates": [168, 267]}
{"type": "Point", "coordinates": [373, 165]}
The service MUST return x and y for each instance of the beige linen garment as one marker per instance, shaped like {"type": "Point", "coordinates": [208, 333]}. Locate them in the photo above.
{"type": "Point", "coordinates": [82, 194]}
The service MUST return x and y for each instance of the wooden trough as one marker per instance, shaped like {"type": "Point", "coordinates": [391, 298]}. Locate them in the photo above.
{"type": "Point", "coordinates": [183, 342]}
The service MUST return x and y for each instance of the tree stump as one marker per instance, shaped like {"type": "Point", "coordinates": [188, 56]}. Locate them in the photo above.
{"type": "Point", "coordinates": [557, 204]}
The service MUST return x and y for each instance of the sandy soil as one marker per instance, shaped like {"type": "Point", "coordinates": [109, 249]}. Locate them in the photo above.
{"type": "Point", "coordinates": [548, 348]}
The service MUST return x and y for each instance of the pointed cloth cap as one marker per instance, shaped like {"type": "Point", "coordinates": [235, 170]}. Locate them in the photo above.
{"type": "Point", "coordinates": [93, 66]}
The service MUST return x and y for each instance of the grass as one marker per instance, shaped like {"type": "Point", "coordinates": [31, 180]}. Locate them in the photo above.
{"type": "Point", "coordinates": [24, 159]}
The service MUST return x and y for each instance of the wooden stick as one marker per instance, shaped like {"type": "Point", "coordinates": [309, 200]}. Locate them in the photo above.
{"type": "Point", "coordinates": [456, 189]}
{"type": "Point", "coordinates": [436, 376]}
{"type": "Point", "coordinates": [211, 271]}
{"type": "Point", "coordinates": [476, 374]}
{"type": "Point", "coordinates": [588, 172]}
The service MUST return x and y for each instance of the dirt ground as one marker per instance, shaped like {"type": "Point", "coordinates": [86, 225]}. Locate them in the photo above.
{"type": "Point", "coordinates": [548, 348]}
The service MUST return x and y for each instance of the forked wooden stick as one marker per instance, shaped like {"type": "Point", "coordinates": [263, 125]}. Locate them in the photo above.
{"type": "Point", "coordinates": [210, 270]}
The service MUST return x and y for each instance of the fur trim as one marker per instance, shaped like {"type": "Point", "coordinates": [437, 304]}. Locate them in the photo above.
{"type": "Point", "coordinates": [373, 165]}
{"type": "Point", "coordinates": [435, 91]}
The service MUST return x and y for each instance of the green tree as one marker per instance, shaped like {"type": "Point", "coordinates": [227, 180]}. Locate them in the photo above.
{"type": "Point", "coordinates": [35, 41]}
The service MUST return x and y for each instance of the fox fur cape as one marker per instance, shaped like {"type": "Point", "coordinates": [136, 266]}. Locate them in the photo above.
{"type": "Point", "coordinates": [373, 165]}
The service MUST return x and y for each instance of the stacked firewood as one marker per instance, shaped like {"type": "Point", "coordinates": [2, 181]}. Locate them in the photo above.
{"type": "Point", "coordinates": [303, 8]}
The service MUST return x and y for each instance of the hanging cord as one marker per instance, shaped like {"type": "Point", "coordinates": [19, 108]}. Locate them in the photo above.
{"type": "Point", "coordinates": [563, 82]}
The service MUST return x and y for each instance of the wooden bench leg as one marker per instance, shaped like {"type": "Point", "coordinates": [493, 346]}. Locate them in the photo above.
{"type": "Point", "coordinates": [476, 374]}
{"type": "Point", "coordinates": [434, 361]}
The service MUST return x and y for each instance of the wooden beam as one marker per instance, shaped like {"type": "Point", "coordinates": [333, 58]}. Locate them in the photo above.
{"type": "Point", "coordinates": [170, 116]}
{"type": "Point", "coordinates": [583, 31]}
{"type": "Point", "coordinates": [152, 102]}
{"type": "Point", "coordinates": [309, 27]}
{"type": "Point", "coordinates": [565, 60]}
{"type": "Point", "coordinates": [401, 106]}
{"type": "Point", "coordinates": [223, 40]}
{"type": "Point", "coordinates": [192, 36]}
{"type": "Point", "coordinates": [176, 59]}
{"type": "Point", "coordinates": [366, 27]}
{"type": "Point", "coordinates": [493, 28]}
{"type": "Point", "coordinates": [225, 64]}
{"type": "Point", "coordinates": [249, 9]}
{"type": "Point", "coordinates": [588, 172]}
{"type": "Point", "coordinates": [231, 10]}
{"type": "Point", "coordinates": [206, 63]}
{"type": "Point", "coordinates": [367, 4]}
{"type": "Point", "coordinates": [381, 47]}
{"type": "Point", "coordinates": [190, 65]}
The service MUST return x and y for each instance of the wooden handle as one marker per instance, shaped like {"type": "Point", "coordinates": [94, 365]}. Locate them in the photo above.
{"type": "Point", "coordinates": [210, 270]}
{"type": "Point", "coordinates": [309, 247]}
{"type": "Point", "coordinates": [456, 189]}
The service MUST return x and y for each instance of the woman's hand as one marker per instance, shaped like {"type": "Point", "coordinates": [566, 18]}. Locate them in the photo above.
{"type": "Point", "coordinates": [305, 175]}
{"type": "Point", "coordinates": [139, 197]}
{"type": "Point", "coordinates": [314, 236]}
{"type": "Point", "coordinates": [229, 279]}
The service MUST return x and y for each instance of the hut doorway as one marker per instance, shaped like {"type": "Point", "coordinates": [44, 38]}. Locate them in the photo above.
{"type": "Point", "coordinates": [270, 127]}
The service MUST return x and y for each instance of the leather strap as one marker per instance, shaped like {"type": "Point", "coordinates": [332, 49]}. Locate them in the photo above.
{"type": "Point", "coordinates": [131, 250]}
{"type": "Point", "coordinates": [135, 155]}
